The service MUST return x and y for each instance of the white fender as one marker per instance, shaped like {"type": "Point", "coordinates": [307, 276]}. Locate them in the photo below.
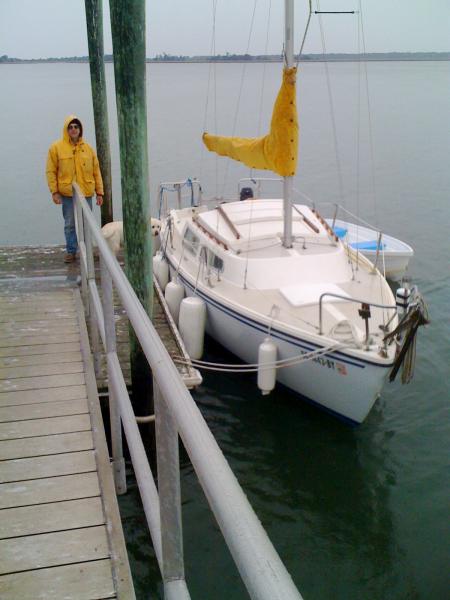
{"type": "Point", "coordinates": [174, 294]}
{"type": "Point", "coordinates": [267, 372]}
{"type": "Point", "coordinates": [161, 270]}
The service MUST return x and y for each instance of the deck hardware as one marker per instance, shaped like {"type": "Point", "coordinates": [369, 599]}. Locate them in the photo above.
{"type": "Point", "coordinates": [364, 313]}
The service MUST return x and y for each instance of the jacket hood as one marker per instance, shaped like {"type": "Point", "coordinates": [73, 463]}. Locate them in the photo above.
{"type": "Point", "coordinates": [65, 133]}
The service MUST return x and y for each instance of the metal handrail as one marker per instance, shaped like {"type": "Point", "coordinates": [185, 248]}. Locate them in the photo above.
{"type": "Point", "coordinates": [176, 187]}
{"type": "Point", "coordinates": [349, 299]}
{"type": "Point", "coordinates": [259, 565]}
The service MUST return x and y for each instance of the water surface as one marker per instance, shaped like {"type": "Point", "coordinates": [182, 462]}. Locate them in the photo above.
{"type": "Point", "coordinates": [354, 513]}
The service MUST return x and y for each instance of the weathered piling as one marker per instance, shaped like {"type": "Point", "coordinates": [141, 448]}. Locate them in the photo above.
{"type": "Point", "coordinates": [94, 23]}
{"type": "Point", "coordinates": [128, 35]}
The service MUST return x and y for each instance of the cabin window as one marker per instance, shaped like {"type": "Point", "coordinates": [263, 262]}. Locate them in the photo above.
{"type": "Point", "coordinates": [215, 262]}
{"type": "Point", "coordinates": [191, 241]}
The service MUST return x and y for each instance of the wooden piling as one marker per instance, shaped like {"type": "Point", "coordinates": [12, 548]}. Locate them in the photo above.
{"type": "Point", "coordinates": [94, 23]}
{"type": "Point", "coordinates": [128, 35]}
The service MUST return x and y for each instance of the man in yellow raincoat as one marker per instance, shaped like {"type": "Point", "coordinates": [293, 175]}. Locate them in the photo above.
{"type": "Point", "coordinates": [69, 160]}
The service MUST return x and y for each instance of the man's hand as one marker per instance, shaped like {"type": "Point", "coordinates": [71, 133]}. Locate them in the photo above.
{"type": "Point", "coordinates": [99, 200]}
{"type": "Point", "coordinates": [56, 197]}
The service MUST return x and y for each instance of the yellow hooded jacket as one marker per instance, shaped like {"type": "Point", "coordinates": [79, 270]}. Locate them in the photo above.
{"type": "Point", "coordinates": [67, 163]}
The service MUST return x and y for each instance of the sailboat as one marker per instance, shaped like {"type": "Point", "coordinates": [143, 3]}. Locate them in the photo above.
{"type": "Point", "coordinates": [280, 289]}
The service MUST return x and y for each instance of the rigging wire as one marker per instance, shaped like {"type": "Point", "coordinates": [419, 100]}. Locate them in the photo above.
{"type": "Point", "coordinates": [248, 242]}
{"type": "Point", "coordinates": [238, 103]}
{"type": "Point", "coordinates": [369, 114]}
{"type": "Point", "coordinates": [333, 119]}
{"type": "Point", "coordinates": [263, 83]}
{"type": "Point", "coordinates": [305, 33]}
{"type": "Point", "coordinates": [358, 141]}
{"type": "Point", "coordinates": [211, 75]}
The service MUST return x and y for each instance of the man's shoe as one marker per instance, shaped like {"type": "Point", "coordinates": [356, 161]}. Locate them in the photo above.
{"type": "Point", "coordinates": [69, 258]}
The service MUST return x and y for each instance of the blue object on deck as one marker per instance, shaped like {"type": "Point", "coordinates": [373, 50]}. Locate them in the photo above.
{"type": "Point", "coordinates": [372, 245]}
{"type": "Point", "coordinates": [340, 232]}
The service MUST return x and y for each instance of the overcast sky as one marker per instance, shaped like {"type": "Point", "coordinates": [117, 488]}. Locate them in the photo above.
{"type": "Point", "coordinates": [53, 28]}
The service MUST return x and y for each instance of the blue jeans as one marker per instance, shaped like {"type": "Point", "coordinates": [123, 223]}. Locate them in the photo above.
{"type": "Point", "coordinates": [69, 223]}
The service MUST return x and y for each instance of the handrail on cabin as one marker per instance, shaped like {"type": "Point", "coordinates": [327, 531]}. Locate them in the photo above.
{"type": "Point", "coordinates": [229, 222]}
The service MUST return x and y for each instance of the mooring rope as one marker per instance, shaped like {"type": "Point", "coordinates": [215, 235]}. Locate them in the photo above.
{"type": "Point", "coordinates": [253, 367]}
{"type": "Point", "coordinates": [416, 316]}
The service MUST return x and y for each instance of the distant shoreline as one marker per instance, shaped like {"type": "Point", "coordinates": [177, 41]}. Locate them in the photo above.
{"type": "Point", "coordinates": [237, 58]}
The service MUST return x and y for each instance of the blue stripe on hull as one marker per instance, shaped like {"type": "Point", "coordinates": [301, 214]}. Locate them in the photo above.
{"type": "Point", "coordinates": [309, 346]}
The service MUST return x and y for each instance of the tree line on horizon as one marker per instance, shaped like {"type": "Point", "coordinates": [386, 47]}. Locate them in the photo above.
{"type": "Point", "coordinates": [229, 57]}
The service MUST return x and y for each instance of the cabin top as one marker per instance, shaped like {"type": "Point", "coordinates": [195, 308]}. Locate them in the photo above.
{"type": "Point", "coordinates": [235, 225]}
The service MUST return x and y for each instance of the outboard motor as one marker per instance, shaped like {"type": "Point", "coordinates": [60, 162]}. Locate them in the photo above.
{"type": "Point", "coordinates": [402, 299]}
{"type": "Point", "coordinates": [245, 193]}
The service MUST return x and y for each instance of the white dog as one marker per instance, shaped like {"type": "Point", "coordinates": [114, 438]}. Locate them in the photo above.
{"type": "Point", "coordinates": [113, 234]}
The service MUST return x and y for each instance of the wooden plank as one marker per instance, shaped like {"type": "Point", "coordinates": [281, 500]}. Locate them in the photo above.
{"type": "Point", "coordinates": [38, 313]}
{"type": "Point", "coordinates": [70, 392]}
{"type": "Point", "coordinates": [36, 383]}
{"type": "Point", "coordinates": [52, 549]}
{"type": "Point", "coordinates": [28, 296]}
{"type": "Point", "coordinates": [47, 304]}
{"type": "Point", "coordinates": [37, 322]}
{"type": "Point", "coordinates": [32, 328]}
{"type": "Point", "coordinates": [34, 308]}
{"type": "Point", "coordinates": [9, 342]}
{"type": "Point", "coordinates": [40, 370]}
{"type": "Point", "coordinates": [39, 359]}
{"type": "Point", "coordinates": [44, 410]}
{"type": "Point", "coordinates": [35, 427]}
{"type": "Point", "coordinates": [24, 296]}
{"type": "Point", "coordinates": [83, 581]}
{"type": "Point", "coordinates": [51, 489]}
{"type": "Point", "coordinates": [40, 349]}
{"type": "Point", "coordinates": [49, 318]}
{"type": "Point", "coordinates": [119, 558]}
{"type": "Point", "coordinates": [56, 516]}
{"type": "Point", "coordinates": [45, 297]}
{"type": "Point", "coordinates": [43, 303]}
{"type": "Point", "coordinates": [47, 466]}
{"type": "Point", "coordinates": [45, 445]}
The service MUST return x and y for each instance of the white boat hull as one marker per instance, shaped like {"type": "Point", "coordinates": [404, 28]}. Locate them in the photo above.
{"type": "Point", "coordinates": [346, 386]}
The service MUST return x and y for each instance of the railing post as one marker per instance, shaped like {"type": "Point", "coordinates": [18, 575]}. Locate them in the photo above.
{"type": "Point", "coordinates": [80, 237]}
{"type": "Point", "coordinates": [114, 413]}
{"type": "Point", "coordinates": [178, 188]}
{"type": "Point", "coordinates": [169, 492]}
{"type": "Point", "coordinates": [320, 314]}
{"type": "Point", "coordinates": [374, 270]}
{"type": "Point", "coordinates": [335, 216]}
{"type": "Point", "coordinates": [92, 318]}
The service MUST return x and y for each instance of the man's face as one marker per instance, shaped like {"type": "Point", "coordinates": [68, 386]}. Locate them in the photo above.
{"type": "Point", "coordinates": [74, 131]}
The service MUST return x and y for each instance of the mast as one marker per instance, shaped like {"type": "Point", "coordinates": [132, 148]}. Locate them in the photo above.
{"type": "Point", "coordinates": [288, 182]}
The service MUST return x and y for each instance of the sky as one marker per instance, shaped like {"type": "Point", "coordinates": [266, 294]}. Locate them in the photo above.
{"type": "Point", "coordinates": [56, 28]}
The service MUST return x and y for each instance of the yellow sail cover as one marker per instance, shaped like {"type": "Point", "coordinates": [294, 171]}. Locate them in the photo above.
{"type": "Point", "coordinates": [276, 151]}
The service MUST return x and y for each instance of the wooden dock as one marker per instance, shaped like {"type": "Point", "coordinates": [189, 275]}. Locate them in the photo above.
{"type": "Point", "coordinates": [60, 528]}
{"type": "Point", "coordinates": [33, 264]}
